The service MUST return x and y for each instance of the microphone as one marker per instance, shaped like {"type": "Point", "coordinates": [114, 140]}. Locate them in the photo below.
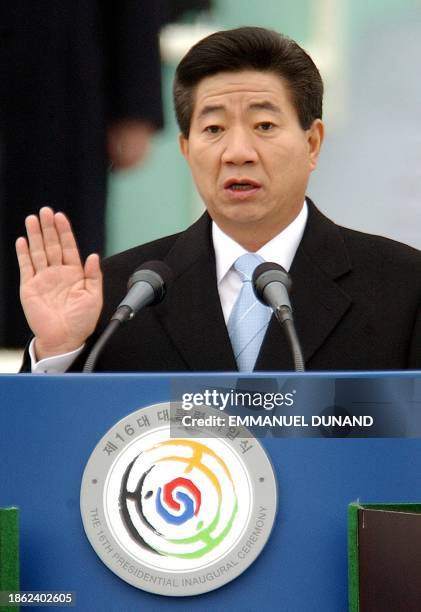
{"type": "Point", "coordinates": [271, 284]}
{"type": "Point", "coordinates": [146, 286]}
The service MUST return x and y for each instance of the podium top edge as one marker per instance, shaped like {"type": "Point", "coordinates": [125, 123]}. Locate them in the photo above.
{"type": "Point", "coordinates": [378, 374]}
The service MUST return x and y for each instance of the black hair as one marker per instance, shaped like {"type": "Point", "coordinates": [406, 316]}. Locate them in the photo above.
{"type": "Point", "coordinates": [249, 48]}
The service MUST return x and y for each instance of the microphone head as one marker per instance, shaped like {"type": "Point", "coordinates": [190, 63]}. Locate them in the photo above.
{"type": "Point", "coordinates": [269, 272]}
{"type": "Point", "coordinates": [157, 274]}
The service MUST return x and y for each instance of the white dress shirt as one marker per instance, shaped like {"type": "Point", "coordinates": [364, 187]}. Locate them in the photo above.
{"type": "Point", "coordinates": [281, 250]}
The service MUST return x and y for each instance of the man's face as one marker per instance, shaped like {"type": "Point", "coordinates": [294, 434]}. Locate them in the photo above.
{"type": "Point", "coordinates": [248, 154]}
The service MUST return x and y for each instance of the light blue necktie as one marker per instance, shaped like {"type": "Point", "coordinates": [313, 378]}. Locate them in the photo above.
{"type": "Point", "coordinates": [249, 317]}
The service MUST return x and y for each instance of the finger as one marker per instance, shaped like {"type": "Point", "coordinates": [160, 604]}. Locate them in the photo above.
{"type": "Point", "coordinates": [36, 243]}
{"type": "Point", "coordinates": [70, 251]}
{"type": "Point", "coordinates": [51, 240]}
{"type": "Point", "coordinates": [24, 259]}
{"type": "Point", "coordinates": [93, 274]}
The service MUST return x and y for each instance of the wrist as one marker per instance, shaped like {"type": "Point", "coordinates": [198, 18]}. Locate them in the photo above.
{"type": "Point", "coordinates": [44, 350]}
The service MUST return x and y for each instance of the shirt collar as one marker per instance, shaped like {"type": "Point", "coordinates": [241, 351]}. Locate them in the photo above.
{"type": "Point", "coordinates": [281, 249]}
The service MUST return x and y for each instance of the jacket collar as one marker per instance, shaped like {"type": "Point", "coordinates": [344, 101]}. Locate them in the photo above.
{"type": "Point", "coordinates": [192, 313]}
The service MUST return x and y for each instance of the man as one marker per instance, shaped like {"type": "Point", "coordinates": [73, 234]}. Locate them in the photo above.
{"type": "Point", "coordinates": [249, 105]}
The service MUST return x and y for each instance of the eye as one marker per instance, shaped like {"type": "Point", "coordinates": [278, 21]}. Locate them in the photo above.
{"type": "Point", "coordinates": [213, 129]}
{"type": "Point", "coordinates": [265, 126]}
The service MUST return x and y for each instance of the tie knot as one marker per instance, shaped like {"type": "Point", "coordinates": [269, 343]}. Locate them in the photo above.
{"type": "Point", "coordinates": [246, 264]}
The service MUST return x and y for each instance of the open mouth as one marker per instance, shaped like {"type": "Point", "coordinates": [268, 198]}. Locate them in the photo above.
{"type": "Point", "coordinates": [241, 185]}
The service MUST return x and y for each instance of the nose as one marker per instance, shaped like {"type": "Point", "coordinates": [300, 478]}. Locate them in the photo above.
{"type": "Point", "coordinates": [239, 147]}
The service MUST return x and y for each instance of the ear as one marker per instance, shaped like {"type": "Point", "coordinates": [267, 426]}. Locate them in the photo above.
{"type": "Point", "coordinates": [315, 135]}
{"type": "Point", "coordinates": [183, 143]}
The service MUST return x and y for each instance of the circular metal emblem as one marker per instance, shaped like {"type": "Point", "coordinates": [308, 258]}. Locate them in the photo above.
{"type": "Point", "coordinates": [172, 514]}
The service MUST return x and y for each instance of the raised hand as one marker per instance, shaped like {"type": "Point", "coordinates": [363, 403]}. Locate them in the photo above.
{"type": "Point", "coordinates": [61, 298]}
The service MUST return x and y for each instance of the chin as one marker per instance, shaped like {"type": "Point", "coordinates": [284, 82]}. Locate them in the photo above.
{"type": "Point", "coordinates": [247, 213]}
{"type": "Point", "coordinates": [242, 221]}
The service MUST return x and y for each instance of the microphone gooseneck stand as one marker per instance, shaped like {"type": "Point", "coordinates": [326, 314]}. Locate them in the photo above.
{"type": "Point", "coordinates": [118, 318]}
{"type": "Point", "coordinates": [284, 316]}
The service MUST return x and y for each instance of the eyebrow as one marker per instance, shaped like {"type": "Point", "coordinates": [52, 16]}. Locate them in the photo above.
{"type": "Point", "coordinates": [210, 108]}
{"type": "Point", "coordinates": [266, 105]}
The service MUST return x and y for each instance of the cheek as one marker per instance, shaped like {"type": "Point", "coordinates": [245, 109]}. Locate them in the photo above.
{"type": "Point", "coordinates": [204, 166]}
{"type": "Point", "coordinates": [203, 176]}
{"type": "Point", "coordinates": [297, 162]}
{"type": "Point", "coordinates": [286, 151]}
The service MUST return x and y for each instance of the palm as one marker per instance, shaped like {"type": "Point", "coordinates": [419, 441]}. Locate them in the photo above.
{"type": "Point", "coordinates": [61, 298]}
{"type": "Point", "coordinates": [58, 305]}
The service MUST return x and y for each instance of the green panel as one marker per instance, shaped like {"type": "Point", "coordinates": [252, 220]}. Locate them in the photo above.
{"type": "Point", "coordinates": [9, 552]}
{"type": "Point", "coordinates": [290, 17]}
{"type": "Point", "coordinates": [154, 199]}
{"type": "Point", "coordinates": [353, 566]}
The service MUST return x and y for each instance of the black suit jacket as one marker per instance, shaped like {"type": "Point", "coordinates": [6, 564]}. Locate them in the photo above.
{"type": "Point", "coordinates": [356, 301]}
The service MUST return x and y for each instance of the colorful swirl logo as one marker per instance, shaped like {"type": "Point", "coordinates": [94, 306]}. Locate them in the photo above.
{"type": "Point", "coordinates": [178, 499]}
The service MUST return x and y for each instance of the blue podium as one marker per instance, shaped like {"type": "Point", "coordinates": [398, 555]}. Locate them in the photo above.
{"type": "Point", "coordinates": [51, 424]}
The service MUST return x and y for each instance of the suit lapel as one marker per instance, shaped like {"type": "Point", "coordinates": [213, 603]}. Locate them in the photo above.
{"type": "Point", "coordinates": [191, 313]}
{"type": "Point", "coordinates": [318, 302]}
